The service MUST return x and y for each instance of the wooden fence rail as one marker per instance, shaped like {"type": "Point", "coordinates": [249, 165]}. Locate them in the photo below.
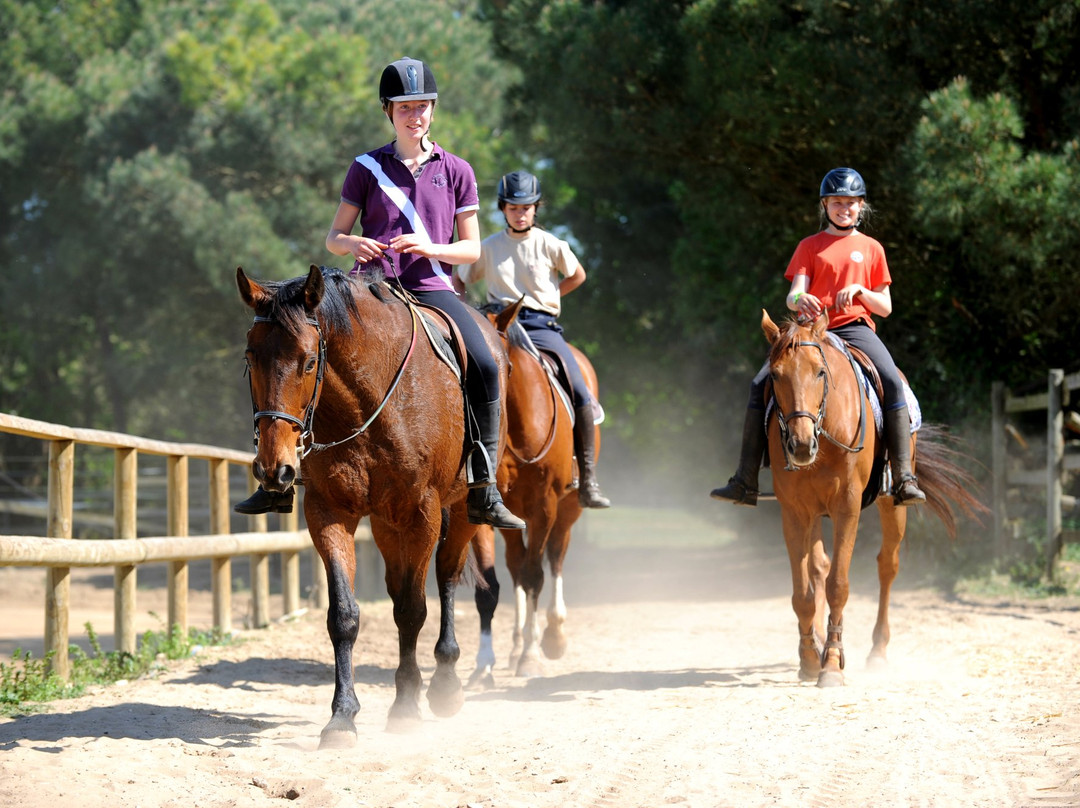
{"type": "Point", "coordinates": [58, 552]}
{"type": "Point", "coordinates": [1053, 476]}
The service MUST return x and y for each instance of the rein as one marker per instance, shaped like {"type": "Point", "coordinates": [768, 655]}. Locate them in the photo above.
{"type": "Point", "coordinates": [819, 419]}
{"type": "Point", "coordinates": [554, 425]}
{"type": "Point", "coordinates": [306, 425]}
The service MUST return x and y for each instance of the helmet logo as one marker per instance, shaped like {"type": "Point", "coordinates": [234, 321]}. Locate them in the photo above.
{"type": "Point", "coordinates": [410, 72]}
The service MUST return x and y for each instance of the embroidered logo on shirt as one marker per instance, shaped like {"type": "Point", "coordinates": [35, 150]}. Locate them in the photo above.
{"type": "Point", "coordinates": [439, 180]}
{"type": "Point", "coordinates": [856, 256]}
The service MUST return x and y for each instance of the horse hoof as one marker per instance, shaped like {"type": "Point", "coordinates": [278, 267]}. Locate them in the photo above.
{"type": "Point", "coordinates": [830, 679]}
{"type": "Point", "coordinates": [404, 717]}
{"type": "Point", "coordinates": [553, 644]}
{"type": "Point", "coordinates": [481, 679]}
{"type": "Point", "coordinates": [529, 667]}
{"type": "Point", "coordinates": [445, 696]}
{"type": "Point", "coordinates": [876, 663]}
{"type": "Point", "coordinates": [340, 733]}
{"type": "Point", "coordinates": [807, 675]}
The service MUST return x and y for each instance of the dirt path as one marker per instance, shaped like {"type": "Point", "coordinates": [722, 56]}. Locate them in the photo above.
{"type": "Point", "coordinates": [678, 688]}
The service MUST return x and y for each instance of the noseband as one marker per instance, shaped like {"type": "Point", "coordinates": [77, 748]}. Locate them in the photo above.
{"type": "Point", "coordinates": [819, 419]}
{"type": "Point", "coordinates": [309, 413]}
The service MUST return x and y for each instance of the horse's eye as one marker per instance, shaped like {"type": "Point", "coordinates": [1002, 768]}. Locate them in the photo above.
{"type": "Point", "coordinates": [309, 366]}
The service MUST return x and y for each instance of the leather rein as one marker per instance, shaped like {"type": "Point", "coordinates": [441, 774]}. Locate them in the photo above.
{"type": "Point", "coordinates": [819, 419]}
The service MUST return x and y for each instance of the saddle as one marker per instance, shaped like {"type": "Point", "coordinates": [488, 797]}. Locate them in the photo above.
{"type": "Point", "coordinates": [442, 332]}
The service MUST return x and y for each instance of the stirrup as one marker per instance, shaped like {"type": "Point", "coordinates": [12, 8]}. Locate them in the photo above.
{"type": "Point", "coordinates": [738, 492]}
{"type": "Point", "coordinates": [907, 491]}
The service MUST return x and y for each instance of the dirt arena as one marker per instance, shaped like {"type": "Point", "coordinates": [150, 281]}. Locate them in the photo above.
{"type": "Point", "coordinates": [679, 687]}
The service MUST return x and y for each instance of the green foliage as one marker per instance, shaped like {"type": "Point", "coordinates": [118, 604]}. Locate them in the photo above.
{"type": "Point", "coordinates": [25, 682]}
{"type": "Point", "coordinates": [148, 149]}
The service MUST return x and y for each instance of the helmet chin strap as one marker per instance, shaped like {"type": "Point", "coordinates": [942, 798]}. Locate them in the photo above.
{"type": "Point", "coordinates": [514, 229]}
{"type": "Point", "coordinates": [836, 226]}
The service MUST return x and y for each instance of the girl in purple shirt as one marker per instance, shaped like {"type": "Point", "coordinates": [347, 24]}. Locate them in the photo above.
{"type": "Point", "coordinates": [409, 196]}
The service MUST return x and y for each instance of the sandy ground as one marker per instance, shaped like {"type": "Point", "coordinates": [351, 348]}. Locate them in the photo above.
{"type": "Point", "coordinates": [679, 687]}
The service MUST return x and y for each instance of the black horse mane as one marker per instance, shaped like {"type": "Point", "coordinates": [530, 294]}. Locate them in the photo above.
{"type": "Point", "coordinates": [338, 306]}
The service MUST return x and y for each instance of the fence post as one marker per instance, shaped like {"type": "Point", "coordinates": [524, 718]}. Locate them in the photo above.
{"type": "Point", "coordinates": [126, 520]}
{"type": "Point", "coordinates": [177, 510]}
{"type": "Point", "coordinates": [259, 564]}
{"type": "Point", "coordinates": [58, 579]}
{"type": "Point", "coordinates": [221, 567]}
{"type": "Point", "coordinates": [998, 470]}
{"type": "Point", "coordinates": [1055, 467]}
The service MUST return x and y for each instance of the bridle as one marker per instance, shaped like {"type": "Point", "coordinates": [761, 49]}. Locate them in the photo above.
{"type": "Point", "coordinates": [304, 448]}
{"type": "Point", "coordinates": [819, 419]}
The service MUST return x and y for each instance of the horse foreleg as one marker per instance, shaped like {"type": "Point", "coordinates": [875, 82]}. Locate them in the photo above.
{"type": "Point", "coordinates": [515, 560]}
{"type": "Point", "coordinates": [342, 624]}
{"type": "Point", "coordinates": [893, 526]}
{"type": "Point", "coordinates": [530, 662]}
{"type": "Point", "coordinates": [486, 596]}
{"type": "Point", "coordinates": [802, 535]}
{"type": "Point", "coordinates": [837, 589]}
{"type": "Point", "coordinates": [553, 642]}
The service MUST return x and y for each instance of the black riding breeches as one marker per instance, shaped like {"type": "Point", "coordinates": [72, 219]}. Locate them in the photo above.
{"type": "Point", "coordinates": [547, 335]}
{"type": "Point", "coordinates": [482, 378]}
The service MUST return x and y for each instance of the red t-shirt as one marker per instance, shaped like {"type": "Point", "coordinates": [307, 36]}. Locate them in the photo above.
{"type": "Point", "coordinates": [832, 262]}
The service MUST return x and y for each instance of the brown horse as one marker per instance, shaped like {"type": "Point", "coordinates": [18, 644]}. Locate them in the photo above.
{"type": "Point", "coordinates": [340, 359]}
{"type": "Point", "coordinates": [536, 478]}
{"type": "Point", "coordinates": [825, 453]}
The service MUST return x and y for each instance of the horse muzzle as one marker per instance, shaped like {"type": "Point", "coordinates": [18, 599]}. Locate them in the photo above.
{"type": "Point", "coordinates": [278, 479]}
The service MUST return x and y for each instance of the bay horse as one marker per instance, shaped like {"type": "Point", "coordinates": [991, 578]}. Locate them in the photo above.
{"type": "Point", "coordinates": [825, 452]}
{"type": "Point", "coordinates": [325, 354]}
{"type": "Point", "coordinates": [537, 481]}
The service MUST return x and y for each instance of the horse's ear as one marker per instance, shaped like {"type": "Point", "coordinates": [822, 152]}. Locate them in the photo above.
{"type": "Point", "coordinates": [251, 292]}
{"type": "Point", "coordinates": [821, 325]}
{"type": "Point", "coordinates": [506, 317]}
{"type": "Point", "coordinates": [772, 331]}
{"type": "Point", "coordinates": [313, 288]}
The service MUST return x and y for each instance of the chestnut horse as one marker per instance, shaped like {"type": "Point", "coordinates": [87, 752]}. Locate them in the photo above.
{"type": "Point", "coordinates": [823, 447]}
{"type": "Point", "coordinates": [536, 478]}
{"type": "Point", "coordinates": [341, 359]}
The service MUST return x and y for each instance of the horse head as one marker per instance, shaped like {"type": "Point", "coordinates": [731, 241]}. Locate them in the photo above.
{"type": "Point", "coordinates": [800, 384]}
{"type": "Point", "coordinates": [285, 361]}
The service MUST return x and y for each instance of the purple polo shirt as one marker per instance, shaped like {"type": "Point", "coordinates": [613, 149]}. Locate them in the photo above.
{"type": "Point", "coordinates": [446, 187]}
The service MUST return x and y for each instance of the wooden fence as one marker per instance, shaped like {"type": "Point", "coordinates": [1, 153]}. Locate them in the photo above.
{"type": "Point", "coordinates": [58, 552]}
{"type": "Point", "coordinates": [1053, 476]}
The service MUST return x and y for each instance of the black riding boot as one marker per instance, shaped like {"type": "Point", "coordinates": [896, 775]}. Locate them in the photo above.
{"type": "Point", "coordinates": [589, 494]}
{"type": "Point", "coordinates": [263, 501]}
{"type": "Point", "coordinates": [742, 489]}
{"type": "Point", "coordinates": [905, 489]}
{"type": "Point", "coordinates": [484, 504]}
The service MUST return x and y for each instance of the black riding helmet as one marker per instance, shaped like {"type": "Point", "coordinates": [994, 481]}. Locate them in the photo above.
{"type": "Point", "coordinates": [407, 79]}
{"type": "Point", "coordinates": [843, 182]}
{"type": "Point", "coordinates": [518, 188]}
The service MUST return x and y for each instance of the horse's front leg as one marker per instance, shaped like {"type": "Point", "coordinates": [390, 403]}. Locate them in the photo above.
{"type": "Point", "coordinates": [837, 589]}
{"type": "Point", "coordinates": [802, 535]}
{"type": "Point", "coordinates": [486, 595]}
{"type": "Point", "coordinates": [893, 526]}
{"type": "Point", "coordinates": [553, 642]}
{"type": "Point", "coordinates": [334, 544]}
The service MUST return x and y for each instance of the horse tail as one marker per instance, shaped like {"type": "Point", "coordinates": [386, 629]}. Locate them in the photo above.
{"type": "Point", "coordinates": [944, 481]}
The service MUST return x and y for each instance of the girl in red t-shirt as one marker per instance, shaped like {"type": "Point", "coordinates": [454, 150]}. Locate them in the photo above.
{"type": "Point", "coordinates": [843, 272]}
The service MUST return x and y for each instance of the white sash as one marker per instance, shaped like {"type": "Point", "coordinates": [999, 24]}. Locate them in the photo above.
{"type": "Point", "coordinates": [405, 205]}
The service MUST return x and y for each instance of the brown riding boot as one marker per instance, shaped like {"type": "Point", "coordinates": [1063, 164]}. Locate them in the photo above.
{"type": "Point", "coordinates": [742, 489]}
{"type": "Point", "coordinates": [905, 488]}
{"type": "Point", "coordinates": [589, 494]}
